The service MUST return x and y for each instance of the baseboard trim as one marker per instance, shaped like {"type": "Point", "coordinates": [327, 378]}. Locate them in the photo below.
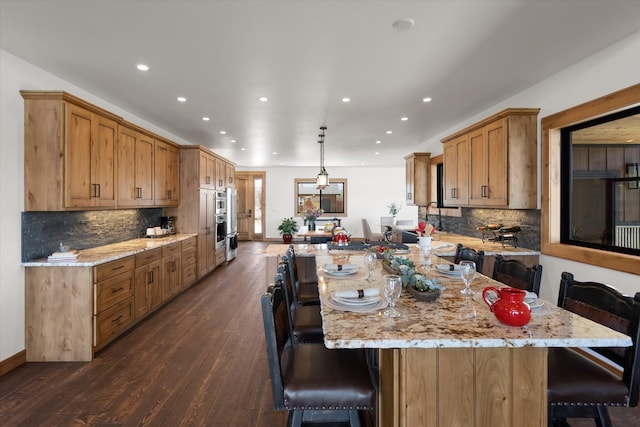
{"type": "Point", "coordinates": [13, 362]}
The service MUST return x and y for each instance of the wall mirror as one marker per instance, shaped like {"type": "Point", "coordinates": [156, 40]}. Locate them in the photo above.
{"type": "Point", "coordinates": [332, 199]}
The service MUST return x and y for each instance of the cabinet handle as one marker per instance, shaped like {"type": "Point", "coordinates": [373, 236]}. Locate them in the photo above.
{"type": "Point", "coordinates": [98, 187]}
{"type": "Point", "coordinates": [117, 268]}
{"type": "Point", "coordinates": [453, 193]}
{"type": "Point", "coordinates": [168, 194]}
{"type": "Point", "coordinates": [409, 196]}
{"type": "Point", "coordinates": [117, 319]}
{"type": "Point", "coordinates": [94, 190]}
{"type": "Point", "coordinates": [149, 277]}
{"type": "Point", "coordinates": [138, 192]}
{"type": "Point", "coordinates": [230, 180]}
{"type": "Point", "coordinates": [220, 182]}
{"type": "Point", "coordinates": [113, 291]}
{"type": "Point", "coordinates": [207, 180]}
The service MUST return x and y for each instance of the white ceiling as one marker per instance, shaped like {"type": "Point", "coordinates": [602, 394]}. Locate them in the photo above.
{"type": "Point", "coordinates": [305, 56]}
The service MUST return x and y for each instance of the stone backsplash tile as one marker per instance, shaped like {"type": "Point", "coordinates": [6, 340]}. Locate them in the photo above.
{"type": "Point", "coordinates": [42, 232]}
{"type": "Point", "coordinates": [472, 218]}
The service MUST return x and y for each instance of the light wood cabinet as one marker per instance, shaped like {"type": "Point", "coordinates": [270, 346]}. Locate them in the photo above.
{"type": "Point", "coordinates": [70, 153]}
{"type": "Point", "coordinates": [221, 174]}
{"type": "Point", "coordinates": [456, 172]}
{"type": "Point", "coordinates": [502, 162]}
{"type": "Point", "coordinates": [189, 262]}
{"type": "Point", "coordinates": [171, 270]}
{"type": "Point", "coordinates": [135, 168]}
{"type": "Point", "coordinates": [418, 172]}
{"type": "Point", "coordinates": [114, 302]}
{"type": "Point", "coordinates": [207, 171]}
{"type": "Point", "coordinates": [206, 233]}
{"type": "Point", "coordinates": [231, 175]}
{"type": "Point", "coordinates": [148, 276]}
{"type": "Point", "coordinates": [166, 174]}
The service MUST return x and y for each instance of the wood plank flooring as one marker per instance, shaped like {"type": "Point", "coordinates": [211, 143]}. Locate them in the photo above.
{"type": "Point", "coordinates": [199, 361]}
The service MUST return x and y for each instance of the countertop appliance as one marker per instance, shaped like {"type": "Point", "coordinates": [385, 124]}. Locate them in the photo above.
{"type": "Point", "coordinates": [232, 224]}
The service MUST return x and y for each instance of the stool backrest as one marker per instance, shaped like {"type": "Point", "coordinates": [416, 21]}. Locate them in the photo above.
{"type": "Point", "coordinates": [469, 254]}
{"type": "Point", "coordinates": [516, 274]}
{"type": "Point", "coordinates": [605, 305]}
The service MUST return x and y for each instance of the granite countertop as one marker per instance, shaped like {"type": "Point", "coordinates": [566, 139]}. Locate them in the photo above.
{"type": "Point", "coordinates": [439, 324]}
{"type": "Point", "coordinates": [102, 254]}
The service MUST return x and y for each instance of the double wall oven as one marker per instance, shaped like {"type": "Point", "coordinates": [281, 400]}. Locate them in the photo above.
{"type": "Point", "coordinates": [221, 219]}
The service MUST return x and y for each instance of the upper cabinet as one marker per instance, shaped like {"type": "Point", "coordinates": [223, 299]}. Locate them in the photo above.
{"type": "Point", "coordinates": [493, 163]}
{"type": "Point", "coordinates": [70, 153]}
{"type": "Point", "coordinates": [418, 171]}
{"type": "Point", "coordinates": [135, 167]}
{"type": "Point", "coordinates": [166, 183]}
{"type": "Point", "coordinates": [231, 175]}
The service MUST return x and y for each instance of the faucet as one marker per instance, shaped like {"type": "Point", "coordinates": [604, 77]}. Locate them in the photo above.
{"type": "Point", "coordinates": [439, 215]}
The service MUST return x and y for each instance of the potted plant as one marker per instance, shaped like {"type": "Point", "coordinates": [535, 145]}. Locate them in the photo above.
{"type": "Point", "coordinates": [287, 227]}
{"type": "Point", "coordinates": [393, 210]}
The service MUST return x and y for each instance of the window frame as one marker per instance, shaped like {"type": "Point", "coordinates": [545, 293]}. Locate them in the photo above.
{"type": "Point", "coordinates": [551, 179]}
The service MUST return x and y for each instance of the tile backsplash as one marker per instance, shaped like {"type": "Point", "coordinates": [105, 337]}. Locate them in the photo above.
{"type": "Point", "coordinates": [42, 232]}
{"type": "Point", "coordinates": [472, 218]}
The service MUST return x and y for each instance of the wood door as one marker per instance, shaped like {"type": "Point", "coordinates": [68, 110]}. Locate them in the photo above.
{"type": "Point", "coordinates": [496, 193]}
{"type": "Point", "coordinates": [251, 196]}
{"type": "Point", "coordinates": [477, 167]}
{"type": "Point", "coordinates": [78, 185]}
{"type": "Point", "coordinates": [103, 157]}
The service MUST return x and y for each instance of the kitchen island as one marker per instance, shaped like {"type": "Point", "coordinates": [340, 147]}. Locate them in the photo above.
{"type": "Point", "coordinates": [437, 368]}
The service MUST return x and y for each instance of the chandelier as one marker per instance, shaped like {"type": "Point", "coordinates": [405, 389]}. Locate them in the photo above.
{"type": "Point", "coordinates": [322, 181]}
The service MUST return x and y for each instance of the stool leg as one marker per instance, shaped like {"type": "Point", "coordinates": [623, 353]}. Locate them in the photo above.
{"type": "Point", "coordinates": [354, 418]}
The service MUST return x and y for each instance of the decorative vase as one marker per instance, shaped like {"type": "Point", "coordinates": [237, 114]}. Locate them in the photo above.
{"type": "Point", "coordinates": [510, 307]}
{"type": "Point", "coordinates": [312, 225]}
{"type": "Point", "coordinates": [423, 296]}
{"type": "Point", "coordinates": [394, 221]}
{"type": "Point", "coordinates": [287, 238]}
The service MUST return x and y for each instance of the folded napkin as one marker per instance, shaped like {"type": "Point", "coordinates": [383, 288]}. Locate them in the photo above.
{"type": "Point", "coordinates": [340, 267]}
{"type": "Point", "coordinates": [450, 267]}
{"type": "Point", "coordinates": [357, 293]}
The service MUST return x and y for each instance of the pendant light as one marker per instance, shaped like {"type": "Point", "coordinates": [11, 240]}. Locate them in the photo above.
{"type": "Point", "coordinates": [322, 181]}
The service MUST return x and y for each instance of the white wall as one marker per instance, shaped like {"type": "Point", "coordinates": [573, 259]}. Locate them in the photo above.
{"type": "Point", "coordinates": [369, 192]}
{"type": "Point", "coordinates": [612, 69]}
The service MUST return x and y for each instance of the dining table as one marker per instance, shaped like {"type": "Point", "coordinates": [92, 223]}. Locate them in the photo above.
{"type": "Point", "coordinates": [450, 362]}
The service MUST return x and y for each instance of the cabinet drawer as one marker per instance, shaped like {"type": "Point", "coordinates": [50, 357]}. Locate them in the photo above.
{"type": "Point", "coordinates": [112, 322]}
{"type": "Point", "coordinates": [189, 244]}
{"type": "Point", "coordinates": [147, 257]}
{"type": "Point", "coordinates": [189, 275]}
{"type": "Point", "coordinates": [188, 257]}
{"type": "Point", "coordinates": [113, 268]}
{"type": "Point", "coordinates": [172, 249]}
{"type": "Point", "coordinates": [114, 290]}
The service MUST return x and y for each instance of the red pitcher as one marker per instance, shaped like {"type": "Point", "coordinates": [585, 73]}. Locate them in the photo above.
{"type": "Point", "coordinates": [510, 307]}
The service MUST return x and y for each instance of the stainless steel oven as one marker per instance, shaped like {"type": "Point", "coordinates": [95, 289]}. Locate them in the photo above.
{"type": "Point", "coordinates": [221, 231]}
{"type": "Point", "coordinates": [221, 203]}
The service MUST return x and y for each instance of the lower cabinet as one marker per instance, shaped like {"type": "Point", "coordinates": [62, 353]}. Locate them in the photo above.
{"type": "Point", "coordinates": [148, 290]}
{"type": "Point", "coordinates": [171, 270]}
{"type": "Point", "coordinates": [189, 262]}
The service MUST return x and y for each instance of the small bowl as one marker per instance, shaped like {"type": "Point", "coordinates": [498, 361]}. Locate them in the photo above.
{"type": "Point", "coordinates": [423, 296]}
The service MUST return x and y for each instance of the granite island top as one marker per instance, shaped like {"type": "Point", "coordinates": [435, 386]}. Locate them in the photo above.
{"type": "Point", "coordinates": [440, 324]}
{"type": "Point", "coordinates": [101, 254]}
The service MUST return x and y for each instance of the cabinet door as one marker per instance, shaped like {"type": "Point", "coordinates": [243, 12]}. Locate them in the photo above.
{"type": "Point", "coordinates": [221, 172]}
{"type": "Point", "coordinates": [103, 156]}
{"type": "Point", "coordinates": [161, 162]}
{"type": "Point", "coordinates": [477, 167]}
{"type": "Point", "coordinates": [456, 172]}
{"type": "Point", "coordinates": [135, 168]}
{"type": "Point", "coordinates": [79, 188]}
{"type": "Point", "coordinates": [410, 170]}
{"type": "Point", "coordinates": [171, 276]}
{"type": "Point", "coordinates": [207, 171]}
{"type": "Point", "coordinates": [148, 293]}
{"type": "Point", "coordinates": [231, 175]}
{"type": "Point", "coordinates": [173, 175]}
{"type": "Point", "coordinates": [145, 146]}
{"type": "Point", "coordinates": [496, 193]}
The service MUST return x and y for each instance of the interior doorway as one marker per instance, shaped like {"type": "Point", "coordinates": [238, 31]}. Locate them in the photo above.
{"type": "Point", "coordinates": [251, 196]}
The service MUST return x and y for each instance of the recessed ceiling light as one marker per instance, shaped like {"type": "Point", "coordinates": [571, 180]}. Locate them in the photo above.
{"type": "Point", "coordinates": [243, 149]}
{"type": "Point", "coordinates": [263, 99]}
{"type": "Point", "coordinates": [142, 67]}
{"type": "Point", "coordinates": [389, 132]}
{"type": "Point", "coordinates": [376, 153]}
{"type": "Point", "coordinates": [233, 140]}
{"type": "Point", "coordinates": [206, 119]}
{"type": "Point", "coordinates": [403, 24]}
{"type": "Point", "coordinates": [223, 132]}
{"type": "Point", "coordinates": [404, 119]}
{"type": "Point", "coordinates": [274, 153]}
{"type": "Point", "coordinates": [427, 99]}
{"type": "Point", "coordinates": [345, 99]}
{"type": "Point", "coordinates": [182, 99]}
{"type": "Point", "coordinates": [378, 142]}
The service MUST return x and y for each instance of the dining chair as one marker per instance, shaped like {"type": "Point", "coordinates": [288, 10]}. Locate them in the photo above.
{"type": "Point", "coordinates": [370, 236]}
{"type": "Point", "coordinates": [385, 223]}
{"type": "Point", "coordinates": [303, 294]}
{"type": "Point", "coordinates": [305, 321]}
{"type": "Point", "coordinates": [515, 273]}
{"type": "Point", "coordinates": [581, 385]}
{"type": "Point", "coordinates": [310, 381]}
{"type": "Point", "coordinates": [469, 254]}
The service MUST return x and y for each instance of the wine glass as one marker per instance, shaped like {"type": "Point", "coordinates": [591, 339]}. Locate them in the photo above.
{"type": "Point", "coordinates": [468, 271]}
{"type": "Point", "coordinates": [467, 310]}
{"type": "Point", "coordinates": [370, 263]}
{"type": "Point", "coordinates": [392, 289]}
{"type": "Point", "coordinates": [425, 258]}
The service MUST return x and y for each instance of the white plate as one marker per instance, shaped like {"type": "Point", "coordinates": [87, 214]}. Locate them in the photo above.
{"type": "Point", "coordinates": [535, 304]}
{"type": "Point", "coordinates": [329, 302]}
{"type": "Point", "coordinates": [334, 268]}
{"type": "Point", "coordinates": [356, 301]}
{"type": "Point", "coordinates": [451, 273]}
{"type": "Point", "coordinates": [340, 273]}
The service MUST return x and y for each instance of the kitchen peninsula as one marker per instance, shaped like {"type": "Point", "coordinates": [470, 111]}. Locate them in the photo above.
{"type": "Point", "coordinates": [437, 367]}
{"type": "Point", "coordinates": [75, 308]}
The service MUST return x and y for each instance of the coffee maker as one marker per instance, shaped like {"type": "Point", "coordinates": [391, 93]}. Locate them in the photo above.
{"type": "Point", "coordinates": [168, 223]}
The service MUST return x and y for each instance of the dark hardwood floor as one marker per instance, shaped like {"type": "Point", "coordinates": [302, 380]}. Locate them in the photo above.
{"type": "Point", "coordinates": [199, 361]}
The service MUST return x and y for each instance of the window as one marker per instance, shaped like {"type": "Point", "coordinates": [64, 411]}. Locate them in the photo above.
{"type": "Point", "coordinates": [583, 175]}
{"type": "Point", "coordinates": [332, 200]}
{"type": "Point", "coordinates": [599, 179]}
